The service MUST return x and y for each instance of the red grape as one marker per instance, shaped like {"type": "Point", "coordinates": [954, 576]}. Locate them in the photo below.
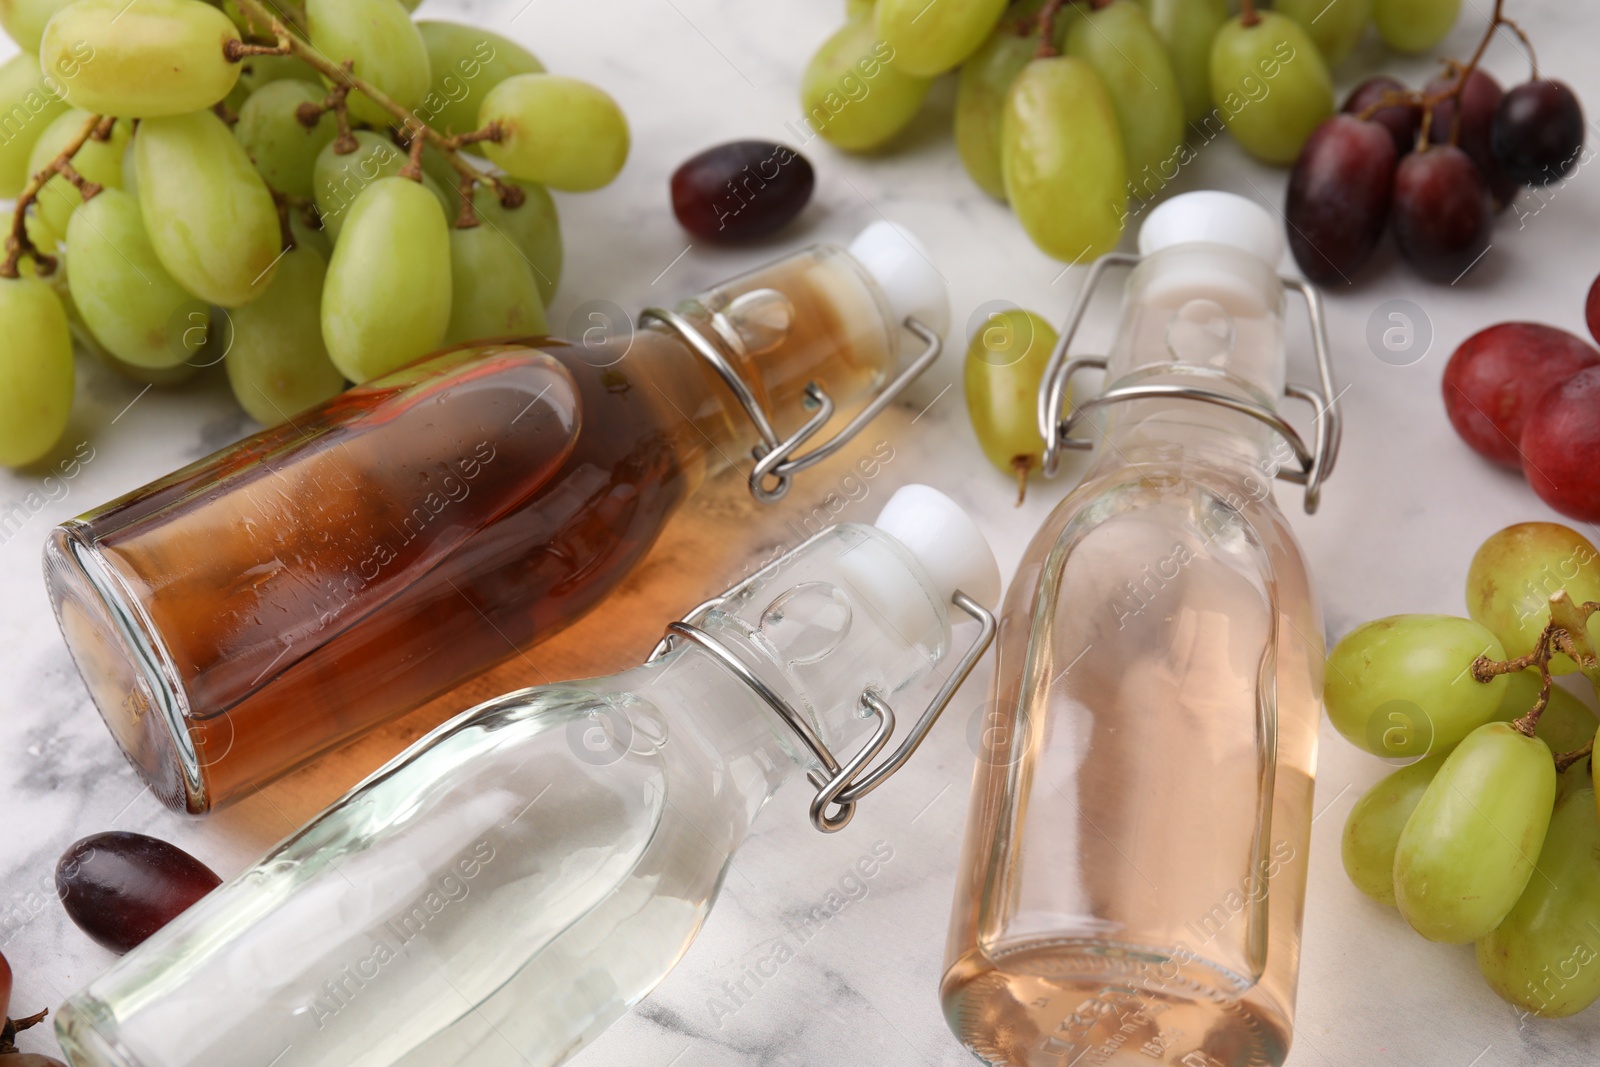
{"type": "Point", "coordinates": [1442, 216]}
{"type": "Point", "coordinates": [1339, 193]}
{"type": "Point", "coordinates": [31, 1059]}
{"type": "Point", "coordinates": [5, 989]}
{"type": "Point", "coordinates": [741, 189]}
{"type": "Point", "coordinates": [121, 887]}
{"type": "Point", "coordinates": [1403, 121]}
{"type": "Point", "coordinates": [1591, 309]}
{"type": "Point", "coordinates": [1561, 446]}
{"type": "Point", "coordinates": [1538, 132]}
{"type": "Point", "coordinates": [1497, 375]}
{"type": "Point", "coordinates": [1479, 99]}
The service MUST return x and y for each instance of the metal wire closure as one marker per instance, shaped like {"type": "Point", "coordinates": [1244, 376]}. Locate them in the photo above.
{"type": "Point", "coordinates": [1316, 463]}
{"type": "Point", "coordinates": [776, 464]}
{"type": "Point", "coordinates": [843, 784]}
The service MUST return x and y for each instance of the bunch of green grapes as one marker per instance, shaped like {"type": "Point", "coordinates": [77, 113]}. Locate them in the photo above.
{"type": "Point", "coordinates": [1492, 835]}
{"type": "Point", "coordinates": [1080, 113]}
{"type": "Point", "coordinates": [197, 182]}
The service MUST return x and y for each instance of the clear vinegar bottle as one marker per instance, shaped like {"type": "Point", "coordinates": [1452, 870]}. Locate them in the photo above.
{"type": "Point", "coordinates": [504, 890]}
{"type": "Point", "coordinates": [1134, 871]}
{"type": "Point", "coordinates": [241, 616]}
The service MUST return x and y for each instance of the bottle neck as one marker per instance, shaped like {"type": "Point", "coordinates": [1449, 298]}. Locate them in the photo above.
{"type": "Point", "coordinates": [1207, 318]}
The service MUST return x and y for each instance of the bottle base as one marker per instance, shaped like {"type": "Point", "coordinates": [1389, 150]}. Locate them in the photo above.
{"type": "Point", "coordinates": [1092, 1003]}
{"type": "Point", "coordinates": [83, 1042]}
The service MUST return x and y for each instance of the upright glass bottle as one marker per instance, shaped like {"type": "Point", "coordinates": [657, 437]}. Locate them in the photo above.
{"type": "Point", "coordinates": [505, 889]}
{"type": "Point", "coordinates": [289, 593]}
{"type": "Point", "coordinates": [1134, 870]}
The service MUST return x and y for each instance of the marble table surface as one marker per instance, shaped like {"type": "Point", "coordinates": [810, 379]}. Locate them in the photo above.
{"type": "Point", "coordinates": [1399, 522]}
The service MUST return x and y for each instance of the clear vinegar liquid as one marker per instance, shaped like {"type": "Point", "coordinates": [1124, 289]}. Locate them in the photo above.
{"type": "Point", "coordinates": [1126, 900]}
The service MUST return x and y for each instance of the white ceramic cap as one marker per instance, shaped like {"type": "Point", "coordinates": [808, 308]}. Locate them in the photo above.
{"type": "Point", "coordinates": [905, 272]}
{"type": "Point", "coordinates": [945, 540]}
{"type": "Point", "coordinates": [1215, 218]}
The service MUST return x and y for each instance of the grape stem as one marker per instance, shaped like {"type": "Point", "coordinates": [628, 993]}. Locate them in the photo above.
{"type": "Point", "coordinates": [1566, 634]}
{"type": "Point", "coordinates": [1046, 28]}
{"type": "Point", "coordinates": [19, 244]}
{"type": "Point", "coordinates": [13, 1027]}
{"type": "Point", "coordinates": [1248, 15]}
{"type": "Point", "coordinates": [1567, 759]}
{"type": "Point", "coordinates": [344, 77]}
{"type": "Point", "coordinates": [1022, 464]}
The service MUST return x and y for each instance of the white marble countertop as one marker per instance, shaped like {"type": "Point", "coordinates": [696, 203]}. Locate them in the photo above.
{"type": "Point", "coordinates": [1400, 519]}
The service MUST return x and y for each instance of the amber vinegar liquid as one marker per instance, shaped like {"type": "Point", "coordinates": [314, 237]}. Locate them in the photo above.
{"type": "Point", "coordinates": [243, 615]}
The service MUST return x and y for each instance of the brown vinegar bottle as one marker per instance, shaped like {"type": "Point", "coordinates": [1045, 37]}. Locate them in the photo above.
{"type": "Point", "coordinates": [308, 584]}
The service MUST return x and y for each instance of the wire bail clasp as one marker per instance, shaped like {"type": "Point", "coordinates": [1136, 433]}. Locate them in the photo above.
{"type": "Point", "coordinates": [776, 463]}
{"type": "Point", "coordinates": [1315, 463]}
{"type": "Point", "coordinates": [842, 784]}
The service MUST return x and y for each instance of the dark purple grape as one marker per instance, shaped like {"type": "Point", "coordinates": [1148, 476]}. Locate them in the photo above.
{"type": "Point", "coordinates": [741, 189]}
{"type": "Point", "coordinates": [1442, 213]}
{"type": "Point", "coordinates": [1479, 99]}
{"type": "Point", "coordinates": [121, 887]}
{"type": "Point", "coordinates": [1339, 193]}
{"type": "Point", "coordinates": [5, 989]}
{"type": "Point", "coordinates": [1403, 121]}
{"type": "Point", "coordinates": [1538, 132]}
{"type": "Point", "coordinates": [30, 1059]}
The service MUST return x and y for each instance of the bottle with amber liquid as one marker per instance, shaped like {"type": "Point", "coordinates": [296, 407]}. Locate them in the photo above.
{"type": "Point", "coordinates": [241, 616]}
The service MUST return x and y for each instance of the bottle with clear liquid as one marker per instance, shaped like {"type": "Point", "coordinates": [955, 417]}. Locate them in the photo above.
{"type": "Point", "coordinates": [508, 887]}
{"type": "Point", "coordinates": [243, 615]}
{"type": "Point", "coordinates": [1133, 876]}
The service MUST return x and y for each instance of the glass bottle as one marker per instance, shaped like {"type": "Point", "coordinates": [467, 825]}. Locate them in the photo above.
{"type": "Point", "coordinates": [1134, 869]}
{"type": "Point", "coordinates": [287, 594]}
{"type": "Point", "coordinates": [510, 885]}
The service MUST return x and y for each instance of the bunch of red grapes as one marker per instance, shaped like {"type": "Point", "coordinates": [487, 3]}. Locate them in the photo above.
{"type": "Point", "coordinates": [1435, 166]}
{"type": "Point", "coordinates": [1527, 396]}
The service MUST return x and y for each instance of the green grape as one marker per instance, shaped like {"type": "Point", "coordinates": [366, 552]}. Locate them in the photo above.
{"type": "Point", "coordinates": [126, 297]}
{"type": "Point", "coordinates": [1187, 28]}
{"type": "Point", "coordinates": [98, 161]}
{"type": "Point", "coordinates": [25, 20]}
{"type": "Point", "coordinates": [387, 298]}
{"type": "Point", "coordinates": [1402, 686]}
{"type": "Point", "coordinates": [379, 36]}
{"type": "Point", "coordinates": [1545, 956]}
{"type": "Point", "coordinates": [1005, 363]}
{"type": "Point", "coordinates": [28, 104]}
{"type": "Point", "coordinates": [338, 180]}
{"type": "Point", "coordinates": [140, 60]}
{"type": "Point", "coordinates": [555, 130]}
{"type": "Point", "coordinates": [930, 37]}
{"type": "Point", "coordinates": [1335, 25]}
{"type": "Point", "coordinates": [853, 96]}
{"type": "Point", "coordinates": [259, 71]}
{"type": "Point", "coordinates": [858, 9]}
{"type": "Point", "coordinates": [36, 375]}
{"type": "Point", "coordinates": [284, 151]}
{"type": "Point", "coordinates": [1062, 159]}
{"type": "Point", "coordinates": [1123, 48]}
{"type": "Point", "coordinates": [1516, 571]}
{"type": "Point", "coordinates": [1270, 85]}
{"type": "Point", "coordinates": [1468, 849]}
{"type": "Point", "coordinates": [1372, 832]}
{"type": "Point", "coordinates": [1414, 25]}
{"type": "Point", "coordinates": [1564, 725]}
{"type": "Point", "coordinates": [981, 101]}
{"type": "Point", "coordinates": [466, 62]}
{"type": "Point", "coordinates": [210, 217]}
{"type": "Point", "coordinates": [494, 291]}
{"type": "Point", "coordinates": [532, 227]}
{"type": "Point", "coordinates": [164, 377]}
{"type": "Point", "coordinates": [277, 364]}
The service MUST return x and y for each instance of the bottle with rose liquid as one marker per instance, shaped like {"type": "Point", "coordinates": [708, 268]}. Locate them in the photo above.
{"type": "Point", "coordinates": [1134, 871]}
{"type": "Point", "coordinates": [505, 889]}
{"type": "Point", "coordinates": [302, 587]}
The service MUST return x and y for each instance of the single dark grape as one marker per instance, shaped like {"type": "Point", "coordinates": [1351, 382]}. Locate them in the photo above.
{"type": "Point", "coordinates": [121, 887]}
{"type": "Point", "coordinates": [5, 988]}
{"type": "Point", "coordinates": [1403, 121]}
{"type": "Point", "coordinates": [30, 1059]}
{"type": "Point", "coordinates": [1339, 193]}
{"type": "Point", "coordinates": [1479, 98]}
{"type": "Point", "coordinates": [1561, 446]}
{"type": "Point", "coordinates": [1538, 132]}
{"type": "Point", "coordinates": [741, 189]}
{"type": "Point", "coordinates": [1442, 214]}
{"type": "Point", "coordinates": [1591, 309]}
{"type": "Point", "coordinates": [1496, 377]}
